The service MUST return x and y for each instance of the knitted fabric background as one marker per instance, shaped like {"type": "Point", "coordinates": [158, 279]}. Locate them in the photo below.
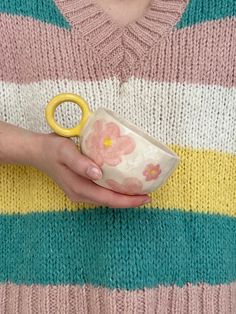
{"type": "Point", "coordinates": [172, 73]}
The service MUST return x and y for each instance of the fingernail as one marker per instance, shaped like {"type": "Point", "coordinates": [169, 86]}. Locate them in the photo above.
{"type": "Point", "coordinates": [94, 173]}
{"type": "Point", "coordinates": [147, 200]}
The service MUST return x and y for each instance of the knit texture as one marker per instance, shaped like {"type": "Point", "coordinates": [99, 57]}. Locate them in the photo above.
{"type": "Point", "coordinates": [87, 299]}
{"type": "Point", "coordinates": [172, 73]}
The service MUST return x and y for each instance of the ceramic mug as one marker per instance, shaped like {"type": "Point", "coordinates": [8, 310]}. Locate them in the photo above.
{"type": "Point", "coordinates": [132, 162]}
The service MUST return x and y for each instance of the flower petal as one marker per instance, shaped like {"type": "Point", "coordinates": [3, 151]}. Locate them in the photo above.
{"type": "Point", "coordinates": [112, 129]}
{"type": "Point", "coordinates": [98, 126]}
{"type": "Point", "coordinates": [115, 186]}
{"type": "Point", "coordinates": [113, 161]}
{"type": "Point", "coordinates": [125, 144]}
{"type": "Point", "coordinates": [133, 185]}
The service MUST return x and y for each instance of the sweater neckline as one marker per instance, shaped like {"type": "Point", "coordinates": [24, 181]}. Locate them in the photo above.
{"type": "Point", "coordinates": [122, 45]}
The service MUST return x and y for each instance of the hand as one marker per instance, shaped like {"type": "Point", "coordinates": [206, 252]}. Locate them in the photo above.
{"type": "Point", "coordinates": [72, 171]}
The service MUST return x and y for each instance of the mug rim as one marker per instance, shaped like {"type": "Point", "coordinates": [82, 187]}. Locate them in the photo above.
{"type": "Point", "coordinates": [139, 132]}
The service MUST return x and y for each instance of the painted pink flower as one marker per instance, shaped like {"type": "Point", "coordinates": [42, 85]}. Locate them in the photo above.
{"type": "Point", "coordinates": [105, 144]}
{"type": "Point", "coordinates": [130, 186]}
{"type": "Point", "coordinates": [152, 172]}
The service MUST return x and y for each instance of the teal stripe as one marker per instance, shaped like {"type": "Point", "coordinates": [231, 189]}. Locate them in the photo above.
{"type": "Point", "coordinates": [44, 10]}
{"type": "Point", "coordinates": [117, 248]}
{"type": "Point", "coordinates": [199, 11]}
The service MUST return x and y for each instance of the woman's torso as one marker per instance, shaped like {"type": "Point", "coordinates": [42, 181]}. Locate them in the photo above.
{"type": "Point", "coordinates": [170, 73]}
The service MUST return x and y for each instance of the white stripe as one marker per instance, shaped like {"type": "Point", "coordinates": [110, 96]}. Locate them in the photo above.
{"type": "Point", "coordinates": [188, 115]}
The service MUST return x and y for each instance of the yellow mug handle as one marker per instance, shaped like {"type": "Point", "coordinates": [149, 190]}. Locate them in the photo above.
{"type": "Point", "coordinates": [55, 102]}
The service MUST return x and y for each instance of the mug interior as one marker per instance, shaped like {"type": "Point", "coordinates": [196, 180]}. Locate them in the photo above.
{"type": "Point", "coordinates": [138, 131]}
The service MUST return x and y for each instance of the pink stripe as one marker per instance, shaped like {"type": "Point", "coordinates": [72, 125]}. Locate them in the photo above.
{"type": "Point", "coordinates": [34, 51]}
{"type": "Point", "coordinates": [192, 299]}
{"type": "Point", "coordinates": [3, 298]}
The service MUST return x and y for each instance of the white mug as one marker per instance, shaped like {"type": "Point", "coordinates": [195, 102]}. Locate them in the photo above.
{"type": "Point", "coordinates": [132, 162]}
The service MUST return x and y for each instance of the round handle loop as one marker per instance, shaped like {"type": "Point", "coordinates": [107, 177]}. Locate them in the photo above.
{"type": "Point", "coordinates": [58, 100]}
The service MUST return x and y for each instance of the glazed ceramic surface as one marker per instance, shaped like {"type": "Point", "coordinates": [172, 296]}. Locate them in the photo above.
{"type": "Point", "coordinates": [132, 161]}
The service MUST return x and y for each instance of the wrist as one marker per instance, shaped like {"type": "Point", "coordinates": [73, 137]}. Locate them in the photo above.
{"type": "Point", "coordinates": [17, 145]}
{"type": "Point", "coordinates": [32, 149]}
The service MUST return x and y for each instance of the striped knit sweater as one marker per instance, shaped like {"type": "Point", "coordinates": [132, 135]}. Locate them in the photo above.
{"type": "Point", "coordinates": [172, 73]}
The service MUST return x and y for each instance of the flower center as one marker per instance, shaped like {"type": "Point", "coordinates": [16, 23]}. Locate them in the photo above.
{"type": "Point", "coordinates": [107, 142]}
{"type": "Point", "coordinates": [153, 171]}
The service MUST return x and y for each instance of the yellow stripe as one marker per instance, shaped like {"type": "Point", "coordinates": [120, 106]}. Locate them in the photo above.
{"type": "Point", "coordinates": [204, 182]}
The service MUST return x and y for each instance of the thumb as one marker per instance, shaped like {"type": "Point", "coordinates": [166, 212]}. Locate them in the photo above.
{"type": "Point", "coordinates": [79, 163]}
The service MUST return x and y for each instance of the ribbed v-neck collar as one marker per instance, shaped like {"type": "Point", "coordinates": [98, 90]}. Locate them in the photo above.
{"type": "Point", "coordinates": [122, 45]}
